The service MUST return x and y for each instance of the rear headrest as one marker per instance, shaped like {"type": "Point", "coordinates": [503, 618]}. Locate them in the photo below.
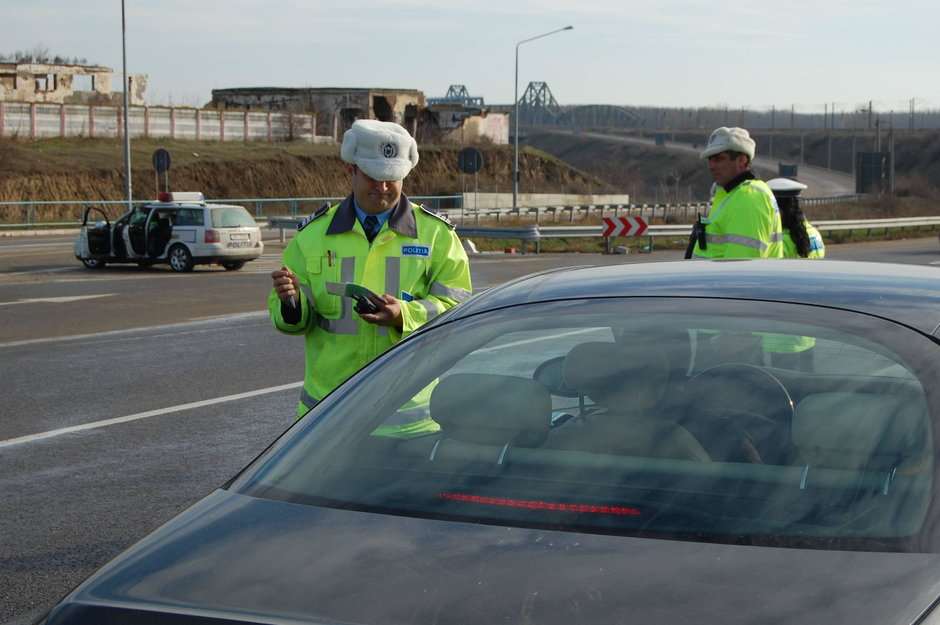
{"type": "Point", "coordinates": [860, 431]}
{"type": "Point", "coordinates": [619, 376]}
{"type": "Point", "coordinates": [490, 409]}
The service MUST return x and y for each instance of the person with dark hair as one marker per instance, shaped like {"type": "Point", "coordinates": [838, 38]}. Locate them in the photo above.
{"type": "Point", "coordinates": [801, 239]}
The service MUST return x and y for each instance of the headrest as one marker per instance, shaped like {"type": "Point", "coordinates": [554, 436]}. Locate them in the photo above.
{"type": "Point", "coordinates": [490, 409]}
{"type": "Point", "coordinates": [859, 431]}
{"type": "Point", "coordinates": [618, 376]}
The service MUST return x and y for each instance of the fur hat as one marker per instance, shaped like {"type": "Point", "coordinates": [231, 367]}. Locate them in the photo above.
{"type": "Point", "coordinates": [726, 139]}
{"type": "Point", "coordinates": [383, 150]}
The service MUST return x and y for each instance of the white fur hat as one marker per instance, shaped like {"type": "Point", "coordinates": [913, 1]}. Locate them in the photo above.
{"type": "Point", "coordinates": [734, 139]}
{"type": "Point", "coordinates": [383, 150]}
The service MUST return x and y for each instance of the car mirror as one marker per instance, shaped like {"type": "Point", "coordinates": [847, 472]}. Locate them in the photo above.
{"type": "Point", "coordinates": [99, 224]}
{"type": "Point", "coordinates": [551, 374]}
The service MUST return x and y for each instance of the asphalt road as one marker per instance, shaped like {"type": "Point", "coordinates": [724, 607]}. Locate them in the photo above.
{"type": "Point", "coordinates": [820, 182]}
{"type": "Point", "coordinates": [129, 394]}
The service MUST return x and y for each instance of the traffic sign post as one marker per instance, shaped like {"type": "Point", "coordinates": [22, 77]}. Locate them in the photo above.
{"type": "Point", "coordinates": [161, 165]}
{"type": "Point", "coordinates": [470, 161]}
{"type": "Point", "coordinates": [624, 226]}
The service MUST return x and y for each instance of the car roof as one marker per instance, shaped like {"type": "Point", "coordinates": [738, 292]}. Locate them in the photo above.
{"type": "Point", "coordinates": [906, 294]}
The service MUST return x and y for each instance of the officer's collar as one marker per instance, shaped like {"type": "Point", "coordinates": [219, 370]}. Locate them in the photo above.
{"type": "Point", "coordinates": [402, 219]}
{"type": "Point", "coordinates": [747, 175]}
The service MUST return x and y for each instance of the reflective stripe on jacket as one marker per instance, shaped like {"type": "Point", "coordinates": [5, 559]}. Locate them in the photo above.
{"type": "Point", "coordinates": [416, 256]}
{"type": "Point", "coordinates": [743, 223]}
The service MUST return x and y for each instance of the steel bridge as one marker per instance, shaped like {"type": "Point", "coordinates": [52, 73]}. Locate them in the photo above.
{"type": "Point", "coordinates": [538, 107]}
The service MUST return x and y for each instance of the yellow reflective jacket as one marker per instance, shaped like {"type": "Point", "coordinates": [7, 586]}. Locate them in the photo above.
{"type": "Point", "coordinates": [817, 248]}
{"type": "Point", "coordinates": [743, 223]}
{"type": "Point", "coordinates": [416, 256]}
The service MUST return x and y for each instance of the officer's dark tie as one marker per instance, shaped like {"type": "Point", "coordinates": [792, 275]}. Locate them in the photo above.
{"type": "Point", "coordinates": [371, 226]}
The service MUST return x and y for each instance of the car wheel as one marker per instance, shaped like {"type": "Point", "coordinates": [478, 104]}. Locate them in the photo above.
{"type": "Point", "coordinates": [180, 258]}
{"type": "Point", "coordinates": [233, 265]}
{"type": "Point", "coordinates": [93, 263]}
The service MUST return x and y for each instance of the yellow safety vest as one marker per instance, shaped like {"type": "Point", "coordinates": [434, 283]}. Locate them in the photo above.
{"type": "Point", "coordinates": [743, 223]}
{"type": "Point", "coordinates": [416, 256]}
{"type": "Point", "coordinates": [790, 343]}
{"type": "Point", "coordinates": [817, 249]}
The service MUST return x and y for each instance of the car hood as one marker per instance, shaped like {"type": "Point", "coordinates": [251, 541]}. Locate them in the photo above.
{"type": "Point", "coordinates": [236, 557]}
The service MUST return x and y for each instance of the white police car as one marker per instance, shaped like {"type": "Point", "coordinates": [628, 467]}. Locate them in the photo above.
{"type": "Point", "coordinates": [179, 229]}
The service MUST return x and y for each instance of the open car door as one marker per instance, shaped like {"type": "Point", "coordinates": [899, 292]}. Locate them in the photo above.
{"type": "Point", "coordinates": [94, 244]}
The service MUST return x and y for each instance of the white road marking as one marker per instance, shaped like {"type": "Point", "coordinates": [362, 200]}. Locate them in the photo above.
{"type": "Point", "coordinates": [56, 300]}
{"type": "Point", "coordinates": [144, 415]}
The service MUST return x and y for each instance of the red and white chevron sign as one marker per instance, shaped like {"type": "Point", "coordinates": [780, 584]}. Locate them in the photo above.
{"type": "Point", "coordinates": [624, 226]}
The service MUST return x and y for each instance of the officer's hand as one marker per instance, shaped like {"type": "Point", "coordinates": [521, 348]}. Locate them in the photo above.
{"type": "Point", "coordinates": [389, 313]}
{"type": "Point", "coordinates": [286, 286]}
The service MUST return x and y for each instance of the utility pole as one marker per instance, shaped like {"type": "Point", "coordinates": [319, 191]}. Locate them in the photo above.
{"type": "Point", "coordinates": [128, 195]}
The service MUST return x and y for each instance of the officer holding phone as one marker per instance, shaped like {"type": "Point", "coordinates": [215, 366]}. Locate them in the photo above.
{"type": "Point", "coordinates": [404, 262]}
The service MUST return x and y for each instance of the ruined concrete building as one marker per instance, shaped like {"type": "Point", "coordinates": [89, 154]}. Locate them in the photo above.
{"type": "Point", "coordinates": [67, 84]}
{"type": "Point", "coordinates": [336, 108]}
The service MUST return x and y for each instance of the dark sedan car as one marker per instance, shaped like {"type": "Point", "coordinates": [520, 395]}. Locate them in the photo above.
{"type": "Point", "coordinates": [721, 442]}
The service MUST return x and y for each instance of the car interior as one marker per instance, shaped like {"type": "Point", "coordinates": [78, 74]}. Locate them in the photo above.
{"type": "Point", "coordinates": [674, 425]}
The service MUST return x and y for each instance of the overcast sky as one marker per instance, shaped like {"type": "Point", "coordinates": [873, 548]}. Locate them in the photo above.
{"type": "Point", "coordinates": [806, 54]}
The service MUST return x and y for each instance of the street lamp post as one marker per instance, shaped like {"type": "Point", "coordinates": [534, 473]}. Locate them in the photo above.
{"type": "Point", "coordinates": [128, 195]}
{"type": "Point", "coordinates": [515, 172]}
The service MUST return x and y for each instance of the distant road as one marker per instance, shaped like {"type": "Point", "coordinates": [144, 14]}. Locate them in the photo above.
{"type": "Point", "coordinates": [820, 182]}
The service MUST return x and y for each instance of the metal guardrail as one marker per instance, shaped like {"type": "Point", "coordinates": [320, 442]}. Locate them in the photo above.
{"type": "Point", "coordinates": [650, 211]}
{"type": "Point", "coordinates": [29, 212]}
{"type": "Point", "coordinates": [534, 233]}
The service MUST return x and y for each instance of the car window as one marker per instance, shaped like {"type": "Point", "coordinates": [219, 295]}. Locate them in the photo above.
{"type": "Point", "coordinates": [231, 217]}
{"type": "Point", "coordinates": [738, 422]}
{"type": "Point", "coordinates": [138, 217]}
{"type": "Point", "coordinates": [189, 217]}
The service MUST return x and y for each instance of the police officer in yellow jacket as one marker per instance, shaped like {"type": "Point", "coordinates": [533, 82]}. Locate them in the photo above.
{"type": "Point", "coordinates": [744, 221]}
{"type": "Point", "coordinates": [801, 239]}
{"type": "Point", "coordinates": [375, 238]}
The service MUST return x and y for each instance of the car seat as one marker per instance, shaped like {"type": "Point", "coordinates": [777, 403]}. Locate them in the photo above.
{"type": "Point", "coordinates": [160, 234]}
{"type": "Point", "coordinates": [482, 415]}
{"type": "Point", "coordinates": [626, 383]}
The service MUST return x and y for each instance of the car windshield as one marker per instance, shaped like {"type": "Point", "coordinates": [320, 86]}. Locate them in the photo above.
{"type": "Point", "coordinates": [727, 421]}
{"type": "Point", "coordinates": [231, 217]}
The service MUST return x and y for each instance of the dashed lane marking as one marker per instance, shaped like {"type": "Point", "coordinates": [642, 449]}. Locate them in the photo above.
{"type": "Point", "coordinates": [144, 415]}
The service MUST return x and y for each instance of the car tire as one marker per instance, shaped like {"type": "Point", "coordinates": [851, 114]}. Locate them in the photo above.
{"type": "Point", "coordinates": [180, 258]}
{"type": "Point", "coordinates": [233, 265]}
{"type": "Point", "coordinates": [93, 263]}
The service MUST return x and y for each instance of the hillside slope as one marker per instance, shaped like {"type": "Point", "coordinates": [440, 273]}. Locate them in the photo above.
{"type": "Point", "coordinates": [651, 173]}
{"type": "Point", "coordinates": [63, 170]}
{"type": "Point", "coordinates": [93, 169]}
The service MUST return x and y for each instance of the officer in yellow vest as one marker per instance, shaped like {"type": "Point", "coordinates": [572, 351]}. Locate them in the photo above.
{"type": "Point", "coordinates": [801, 239]}
{"type": "Point", "coordinates": [377, 238]}
{"type": "Point", "coordinates": [744, 221]}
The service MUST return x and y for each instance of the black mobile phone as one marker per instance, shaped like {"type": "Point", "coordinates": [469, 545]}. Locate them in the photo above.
{"type": "Point", "coordinates": [364, 305]}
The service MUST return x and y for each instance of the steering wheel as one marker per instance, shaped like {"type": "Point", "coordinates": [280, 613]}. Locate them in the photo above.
{"type": "Point", "coordinates": [750, 397]}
